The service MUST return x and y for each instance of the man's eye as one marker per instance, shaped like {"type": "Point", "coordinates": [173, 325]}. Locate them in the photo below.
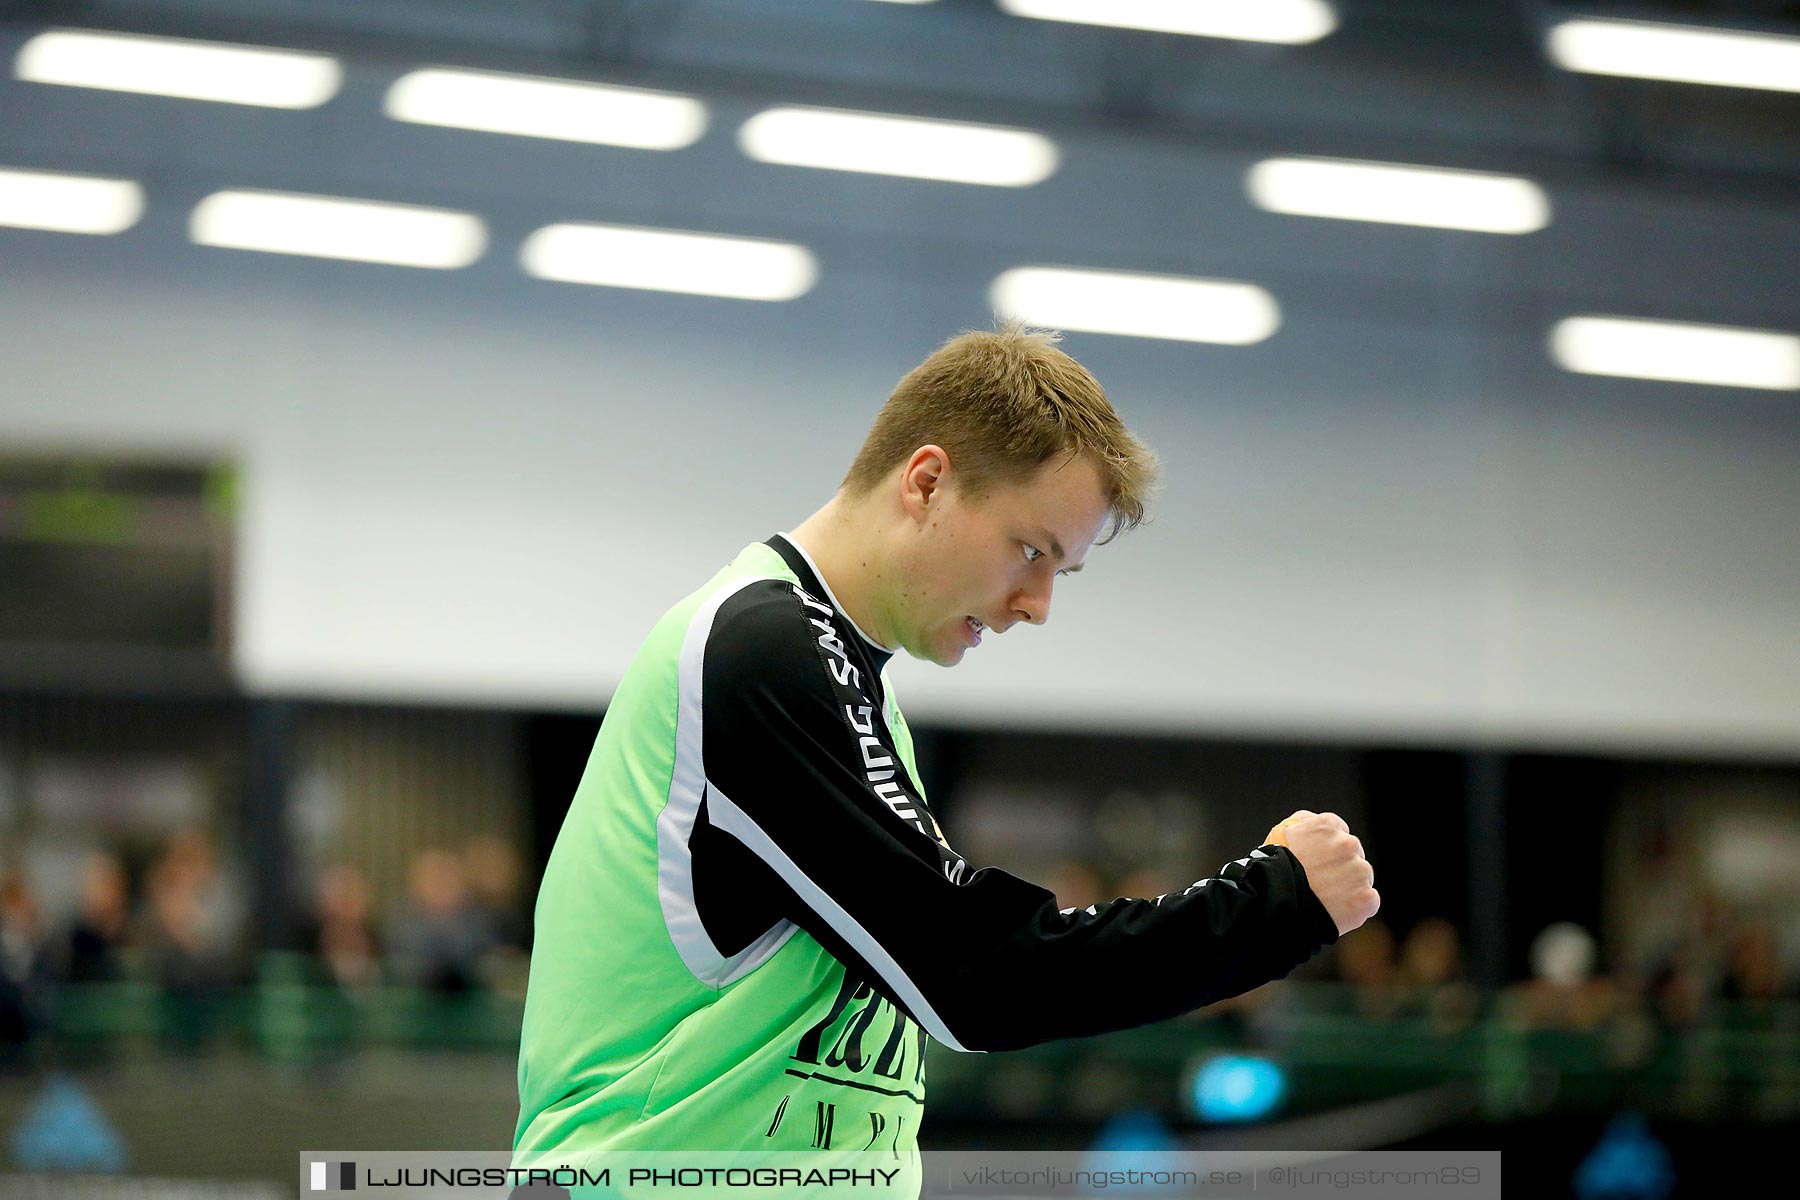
{"type": "Point", "coordinates": [1032, 553]}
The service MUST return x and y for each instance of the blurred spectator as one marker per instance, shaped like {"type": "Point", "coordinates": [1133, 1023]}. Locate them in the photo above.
{"type": "Point", "coordinates": [1787, 953]}
{"type": "Point", "coordinates": [493, 870]}
{"type": "Point", "coordinates": [1366, 961]}
{"type": "Point", "coordinates": [1563, 991]}
{"type": "Point", "coordinates": [1147, 883]}
{"type": "Point", "coordinates": [1752, 973]}
{"type": "Point", "coordinates": [23, 967]}
{"type": "Point", "coordinates": [1663, 904]}
{"type": "Point", "coordinates": [189, 921]}
{"type": "Point", "coordinates": [1431, 955]}
{"type": "Point", "coordinates": [1692, 969]}
{"type": "Point", "coordinates": [91, 953]}
{"type": "Point", "coordinates": [1431, 976]}
{"type": "Point", "coordinates": [1076, 884]}
{"type": "Point", "coordinates": [1677, 989]}
{"type": "Point", "coordinates": [190, 926]}
{"type": "Point", "coordinates": [343, 933]}
{"type": "Point", "coordinates": [438, 936]}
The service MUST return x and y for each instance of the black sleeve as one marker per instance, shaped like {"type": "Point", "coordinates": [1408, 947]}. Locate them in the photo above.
{"type": "Point", "coordinates": [801, 768]}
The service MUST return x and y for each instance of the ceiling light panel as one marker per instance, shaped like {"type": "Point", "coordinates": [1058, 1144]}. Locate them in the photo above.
{"type": "Point", "coordinates": [334, 227]}
{"type": "Point", "coordinates": [1395, 193]}
{"type": "Point", "coordinates": [186, 69]}
{"type": "Point", "coordinates": [953, 151]}
{"type": "Point", "coordinates": [67, 203]}
{"type": "Point", "coordinates": [1677, 351]}
{"type": "Point", "coordinates": [1137, 305]}
{"type": "Point", "coordinates": [1682, 54]}
{"type": "Point", "coordinates": [547, 108]}
{"type": "Point", "coordinates": [667, 260]}
{"type": "Point", "coordinates": [1284, 21]}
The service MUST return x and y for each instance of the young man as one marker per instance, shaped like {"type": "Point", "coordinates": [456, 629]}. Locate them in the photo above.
{"type": "Point", "coordinates": [751, 922]}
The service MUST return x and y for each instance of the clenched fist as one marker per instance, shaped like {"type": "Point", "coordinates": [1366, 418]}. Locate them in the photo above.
{"type": "Point", "coordinates": [1336, 870]}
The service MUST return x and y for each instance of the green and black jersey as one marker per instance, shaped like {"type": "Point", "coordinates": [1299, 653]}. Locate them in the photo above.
{"type": "Point", "coordinates": [751, 921]}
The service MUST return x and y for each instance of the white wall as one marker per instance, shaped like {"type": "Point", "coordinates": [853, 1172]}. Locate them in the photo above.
{"type": "Point", "coordinates": [1393, 519]}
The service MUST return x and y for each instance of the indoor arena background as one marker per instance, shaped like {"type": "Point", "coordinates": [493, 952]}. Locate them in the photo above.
{"type": "Point", "coordinates": [326, 532]}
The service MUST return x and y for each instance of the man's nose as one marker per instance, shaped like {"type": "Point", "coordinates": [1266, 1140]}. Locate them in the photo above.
{"type": "Point", "coordinates": [1033, 604]}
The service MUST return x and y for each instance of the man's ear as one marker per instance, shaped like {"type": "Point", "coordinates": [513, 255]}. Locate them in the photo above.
{"type": "Point", "coordinates": [923, 480]}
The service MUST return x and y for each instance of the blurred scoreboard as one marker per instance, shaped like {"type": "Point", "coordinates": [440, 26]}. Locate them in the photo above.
{"type": "Point", "coordinates": [103, 555]}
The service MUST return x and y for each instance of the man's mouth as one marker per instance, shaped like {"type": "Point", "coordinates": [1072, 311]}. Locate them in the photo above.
{"type": "Point", "coordinates": [975, 628]}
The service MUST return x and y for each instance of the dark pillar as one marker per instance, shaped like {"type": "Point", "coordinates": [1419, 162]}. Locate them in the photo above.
{"type": "Point", "coordinates": [265, 823]}
{"type": "Point", "coordinates": [1486, 790]}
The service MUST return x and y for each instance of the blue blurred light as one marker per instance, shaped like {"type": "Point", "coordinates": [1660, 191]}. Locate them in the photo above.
{"type": "Point", "coordinates": [1134, 1131]}
{"type": "Point", "coordinates": [1628, 1164]}
{"type": "Point", "coordinates": [62, 1129]}
{"type": "Point", "coordinates": [1238, 1087]}
{"type": "Point", "coordinates": [1135, 1139]}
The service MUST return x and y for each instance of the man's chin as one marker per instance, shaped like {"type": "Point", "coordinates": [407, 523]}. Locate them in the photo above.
{"type": "Point", "coordinates": [940, 658]}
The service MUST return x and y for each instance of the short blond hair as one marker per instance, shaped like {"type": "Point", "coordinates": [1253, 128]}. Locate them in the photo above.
{"type": "Point", "coordinates": [1001, 404]}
